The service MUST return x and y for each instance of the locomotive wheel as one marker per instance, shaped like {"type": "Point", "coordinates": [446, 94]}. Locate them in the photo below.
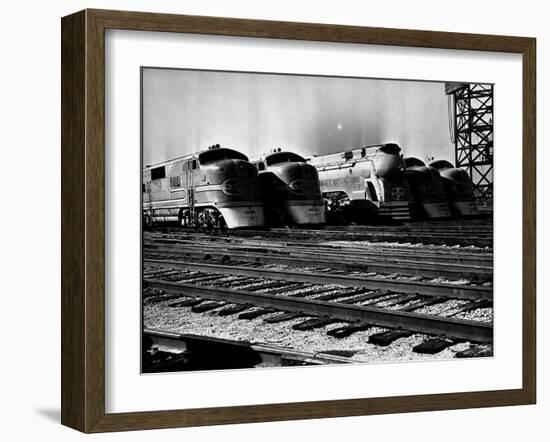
{"type": "Point", "coordinates": [346, 215]}
{"type": "Point", "coordinates": [184, 221]}
{"type": "Point", "coordinates": [148, 222]}
{"type": "Point", "coordinates": [223, 224]}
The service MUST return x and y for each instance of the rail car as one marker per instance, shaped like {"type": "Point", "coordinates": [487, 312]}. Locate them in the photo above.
{"type": "Point", "coordinates": [290, 189]}
{"type": "Point", "coordinates": [428, 196]}
{"type": "Point", "coordinates": [216, 188]}
{"type": "Point", "coordinates": [361, 183]}
{"type": "Point", "coordinates": [458, 188]}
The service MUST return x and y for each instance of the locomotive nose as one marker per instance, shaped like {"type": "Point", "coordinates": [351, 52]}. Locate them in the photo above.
{"type": "Point", "coordinates": [238, 168]}
{"type": "Point", "coordinates": [302, 179]}
{"type": "Point", "coordinates": [389, 166]}
{"type": "Point", "coordinates": [296, 171]}
{"type": "Point", "coordinates": [240, 178]}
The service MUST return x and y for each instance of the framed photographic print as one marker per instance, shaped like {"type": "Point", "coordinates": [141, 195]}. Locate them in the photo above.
{"type": "Point", "coordinates": [267, 221]}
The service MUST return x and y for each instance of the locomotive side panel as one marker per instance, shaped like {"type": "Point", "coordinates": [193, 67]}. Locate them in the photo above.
{"type": "Point", "coordinates": [157, 195]}
{"type": "Point", "coordinates": [350, 179]}
{"type": "Point", "coordinates": [371, 180]}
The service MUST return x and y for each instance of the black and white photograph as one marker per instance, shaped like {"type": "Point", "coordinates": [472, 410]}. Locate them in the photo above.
{"type": "Point", "coordinates": [301, 220]}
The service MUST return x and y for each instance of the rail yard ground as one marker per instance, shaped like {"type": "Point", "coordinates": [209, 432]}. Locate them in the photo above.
{"type": "Point", "coordinates": [335, 294]}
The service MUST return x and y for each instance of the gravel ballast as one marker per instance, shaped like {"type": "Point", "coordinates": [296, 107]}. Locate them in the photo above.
{"type": "Point", "coordinates": [182, 320]}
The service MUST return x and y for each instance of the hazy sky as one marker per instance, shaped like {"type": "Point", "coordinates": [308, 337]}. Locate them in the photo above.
{"type": "Point", "coordinates": [186, 111]}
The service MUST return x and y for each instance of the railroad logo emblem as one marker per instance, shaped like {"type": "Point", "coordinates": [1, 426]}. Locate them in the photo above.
{"type": "Point", "coordinates": [397, 193]}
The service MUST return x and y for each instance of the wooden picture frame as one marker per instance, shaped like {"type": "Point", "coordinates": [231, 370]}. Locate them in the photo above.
{"type": "Point", "coordinates": [83, 216]}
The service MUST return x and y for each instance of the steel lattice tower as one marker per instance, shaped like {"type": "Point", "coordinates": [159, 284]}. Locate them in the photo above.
{"type": "Point", "coordinates": [472, 133]}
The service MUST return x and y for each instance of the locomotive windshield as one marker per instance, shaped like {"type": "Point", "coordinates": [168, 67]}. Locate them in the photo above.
{"type": "Point", "coordinates": [390, 148]}
{"type": "Point", "coordinates": [413, 162]}
{"type": "Point", "coordinates": [283, 157]}
{"type": "Point", "coordinates": [211, 156]}
{"type": "Point", "coordinates": [441, 164]}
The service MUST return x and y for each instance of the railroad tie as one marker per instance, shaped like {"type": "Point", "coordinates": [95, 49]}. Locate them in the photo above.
{"type": "Point", "coordinates": [191, 302]}
{"type": "Point", "coordinates": [432, 346]}
{"type": "Point", "coordinates": [233, 309]}
{"type": "Point", "coordinates": [348, 330]}
{"type": "Point", "coordinates": [384, 339]}
{"type": "Point", "coordinates": [155, 299]}
{"type": "Point", "coordinates": [402, 299]}
{"type": "Point", "coordinates": [237, 282]}
{"type": "Point", "coordinates": [287, 287]}
{"type": "Point", "coordinates": [473, 305]}
{"type": "Point", "coordinates": [422, 303]}
{"type": "Point", "coordinates": [313, 323]}
{"type": "Point", "coordinates": [475, 351]}
{"type": "Point", "coordinates": [331, 296]}
{"type": "Point", "coordinates": [268, 285]}
{"type": "Point", "coordinates": [207, 306]}
{"type": "Point", "coordinates": [370, 295]}
{"type": "Point", "coordinates": [284, 317]}
{"type": "Point", "coordinates": [253, 314]}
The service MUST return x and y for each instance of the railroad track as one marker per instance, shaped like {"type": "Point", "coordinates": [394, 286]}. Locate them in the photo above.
{"type": "Point", "coordinates": [453, 230]}
{"type": "Point", "coordinates": [443, 238]}
{"type": "Point", "coordinates": [458, 256]}
{"type": "Point", "coordinates": [334, 259]}
{"type": "Point", "coordinates": [326, 278]}
{"type": "Point", "coordinates": [425, 235]}
{"type": "Point", "coordinates": [171, 351]}
{"type": "Point", "coordinates": [206, 284]}
{"type": "Point", "coordinates": [450, 264]}
{"type": "Point", "coordinates": [485, 228]}
{"type": "Point", "coordinates": [281, 277]}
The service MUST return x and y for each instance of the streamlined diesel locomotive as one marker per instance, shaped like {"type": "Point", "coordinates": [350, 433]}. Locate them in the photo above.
{"type": "Point", "coordinates": [290, 189]}
{"type": "Point", "coordinates": [428, 198]}
{"type": "Point", "coordinates": [360, 183]}
{"type": "Point", "coordinates": [458, 188]}
{"type": "Point", "coordinates": [216, 188]}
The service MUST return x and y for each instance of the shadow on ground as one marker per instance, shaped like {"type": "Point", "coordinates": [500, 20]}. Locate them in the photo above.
{"type": "Point", "coordinates": [51, 414]}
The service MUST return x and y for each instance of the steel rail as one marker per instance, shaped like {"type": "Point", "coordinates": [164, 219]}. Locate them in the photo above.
{"type": "Point", "coordinates": [177, 342]}
{"type": "Point", "coordinates": [398, 286]}
{"type": "Point", "coordinates": [424, 237]}
{"type": "Point", "coordinates": [415, 322]}
{"type": "Point", "coordinates": [422, 232]}
{"type": "Point", "coordinates": [483, 229]}
{"type": "Point", "coordinates": [356, 233]}
{"type": "Point", "coordinates": [428, 238]}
